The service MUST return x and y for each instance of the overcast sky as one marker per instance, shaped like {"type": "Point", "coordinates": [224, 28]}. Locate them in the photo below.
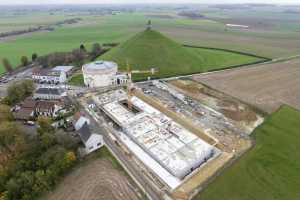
{"type": "Point", "coordinates": [142, 1]}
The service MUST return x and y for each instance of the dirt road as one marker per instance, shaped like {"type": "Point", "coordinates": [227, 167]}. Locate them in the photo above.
{"type": "Point", "coordinates": [265, 86]}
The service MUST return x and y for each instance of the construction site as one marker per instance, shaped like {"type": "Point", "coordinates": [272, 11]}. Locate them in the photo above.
{"type": "Point", "coordinates": [178, 133]}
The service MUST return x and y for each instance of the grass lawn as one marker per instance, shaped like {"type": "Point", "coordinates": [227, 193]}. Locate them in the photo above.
{"type": "Point", "coordinates": [76, 79]}
{"type": "Point", "coordinates": [270, 171]}
{"type": "Point", "coordinates": [218, 59]}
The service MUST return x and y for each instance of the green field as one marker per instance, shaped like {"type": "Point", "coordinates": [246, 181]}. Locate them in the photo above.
{"type": "Point", "coordinates": [150, 48]}
{"type": "Point", "coordinates": [273, 43]}
{"type": "Point", "coordinates": [270, 171]}
{"type": "Point", "coordinates": [218, 59]}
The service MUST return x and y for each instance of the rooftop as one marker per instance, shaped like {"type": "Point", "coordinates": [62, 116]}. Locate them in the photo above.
{"type": "Point", "coordinates": [53, 91]}
{"type": "Point", "coordinates": [84, 133]}
{"type": "Point", "coordinates": [45, 105]}
{"type": "Point", "coordinates": [63, 68]}
{"type": "Point", "coordinates": [100, 65]}
{"type": "Point", "coordinates": [46, 72]}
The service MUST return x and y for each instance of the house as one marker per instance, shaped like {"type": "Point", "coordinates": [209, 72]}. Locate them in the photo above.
{"type": "Point", "coordinates": [91, 141]}
{"type": "Point", "coordinates": [48, 94]}
{"type": "Point", "coordinates": [49, 108]}
{"type": "Point", "coordinates": [50, 76]}
{"type": "Point", "coordinates": [45, 108]}
{"type": "Point", "coordinates": [26, 111]}
{"type": "Point", "coordinates": [80, 120]}
{"type": "Point", "coordinates": [66, 69]}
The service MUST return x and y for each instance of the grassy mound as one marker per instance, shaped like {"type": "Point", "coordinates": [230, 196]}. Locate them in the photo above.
{"type": "Point", "coordinates": [271, 170]}
{"type": "Point", "coordinates": [151, 49]}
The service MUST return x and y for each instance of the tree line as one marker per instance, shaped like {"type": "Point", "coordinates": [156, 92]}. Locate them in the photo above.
{"type": "Point", "coordinates": [34, 164]}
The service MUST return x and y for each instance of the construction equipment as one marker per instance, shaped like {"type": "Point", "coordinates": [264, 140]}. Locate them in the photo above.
{"type": "Point", "coordinates": [130, 85]}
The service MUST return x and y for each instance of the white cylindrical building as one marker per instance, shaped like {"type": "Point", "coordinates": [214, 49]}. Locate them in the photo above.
{"type": "Point", "coordinates": [99, 73]}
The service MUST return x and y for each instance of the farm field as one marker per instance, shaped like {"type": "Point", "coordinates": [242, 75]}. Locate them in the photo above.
{"type": "Point", "coordinates": [210, 32]}
{"type": "Point", "coordinates": [264, 86]}
{"type": "Point", "coordinates": [270, 170]}
{"type": "Point", "coordinates": [100, 179]}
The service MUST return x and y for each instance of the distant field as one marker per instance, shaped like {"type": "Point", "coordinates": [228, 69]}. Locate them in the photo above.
{"type": "Point", "coordinates": [271, 170]}
{"type": "Point", "coordinates": [279, 41]}
{"type": "Point", "coordinates": [12, 22]}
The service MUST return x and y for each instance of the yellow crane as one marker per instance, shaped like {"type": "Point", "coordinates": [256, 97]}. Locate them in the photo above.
{"type": "Point", "coordinates": [130, 85]}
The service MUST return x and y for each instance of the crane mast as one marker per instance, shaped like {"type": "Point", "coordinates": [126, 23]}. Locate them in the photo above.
{"type": "Point", "coordinates": [130, 85]}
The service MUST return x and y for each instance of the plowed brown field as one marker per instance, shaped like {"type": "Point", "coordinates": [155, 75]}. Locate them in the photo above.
{"type": "Point", "coordinates": [264, 86]}
{"type": "Point", "coordinates": [97, 180]}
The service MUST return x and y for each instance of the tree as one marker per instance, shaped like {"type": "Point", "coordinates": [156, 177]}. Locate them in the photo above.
{"type": "Point", "coordinates": [41, 184]}
{"type": "Point", "coordinates": [34, 57]}
{"type": "Point", "coordinates": [5, 114]}
{"type": "Point", "coordinates": [78, 57]}
{"type": "Point", "coordinates": [24, 60]}
{"type": "Point", "coordinates": [15, 93]}
{"type": "Point", "coordinates": [82, 48]}
{"type": "Point", "coordinates": [96, 49]}
{"type": "Point", "coordinates": [70, 159]}
{"type": "Point", "coordinates": [7, 65]}
{"type": "Point", "coordinates": [57, 58]}
{"type": "Point", "coordinates": [44, 124]}
{"type": "Point", "coordinates": [18, 91]}
{"type": "Point", "coordinates": [43, 61]}
{"type": "Point", "coordinates": [28, 86]}
{"type": "Point", "coordinates": [11, 138]}
{"type": "Point", "coordinates": [13, 189]}
{"type": "Point", "coordinates": [47, 139]}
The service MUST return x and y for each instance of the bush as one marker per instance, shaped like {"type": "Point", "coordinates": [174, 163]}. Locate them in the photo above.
{"type": "Point", "coordinates": [8, 67]}
{"type": "Point", "coordinates": [34, 57]}
{"type": "Point", "coordinates": [24, 61]}
{"type": "Point", "coordinates": [5, 114]}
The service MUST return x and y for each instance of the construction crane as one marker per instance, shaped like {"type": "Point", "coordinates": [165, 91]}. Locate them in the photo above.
{"type": "Point", "coordinates": [130, 85]}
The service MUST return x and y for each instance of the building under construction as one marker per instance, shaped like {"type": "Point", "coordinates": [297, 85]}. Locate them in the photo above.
{"type": "Point", "coordinates": [167, 148]}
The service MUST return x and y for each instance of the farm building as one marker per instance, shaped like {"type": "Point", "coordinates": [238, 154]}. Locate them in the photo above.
{"type": "Point", "coordinates": [102, 74]}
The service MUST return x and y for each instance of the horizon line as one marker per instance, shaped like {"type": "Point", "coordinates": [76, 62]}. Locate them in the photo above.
{"type": "Point", "coordinates": [158, 3]}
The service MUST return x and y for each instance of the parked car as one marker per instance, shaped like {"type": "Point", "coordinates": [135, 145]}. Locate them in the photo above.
{"type": "Point", "coordinates": [29, 123]}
